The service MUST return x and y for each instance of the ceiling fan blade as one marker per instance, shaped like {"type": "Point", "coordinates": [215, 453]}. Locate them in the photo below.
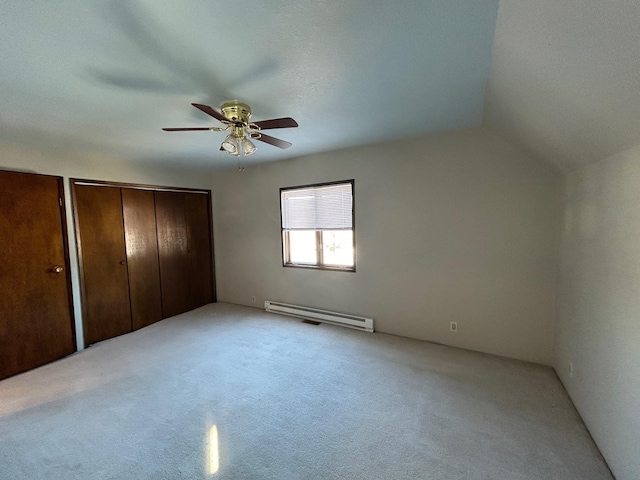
{"type": "Point", "coordinates": [210, 111]}
{"type": "Point", "coordinates": [276, 142]}
{"type": "Point", "coordinates": [184, 129]}
{"type": "Point", "coordinates": [285, 122]}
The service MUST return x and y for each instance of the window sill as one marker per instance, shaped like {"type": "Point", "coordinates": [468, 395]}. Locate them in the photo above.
{"type": "Point", "coordinates": [320, 267]}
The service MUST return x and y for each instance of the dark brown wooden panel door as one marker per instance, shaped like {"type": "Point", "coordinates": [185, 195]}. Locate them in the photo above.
{"type": "Point", "coordinates": [105, 283]}
{"type": "Point", "coordinates": [199, 245]}
{"type": "Point", "coordinates": [35, 313]}
{"type": "Point", "coordinates": [173, 254]}
{"type": "Point", "coordinates": [138, 209]}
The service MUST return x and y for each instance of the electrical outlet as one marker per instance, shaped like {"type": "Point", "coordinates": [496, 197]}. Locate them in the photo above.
{"type": "Point", "coordinates": [570, 369]}
{"type": "Point", "coordinates": [453, 326]}
{"type": "Point", "coordinates": [253, 299]}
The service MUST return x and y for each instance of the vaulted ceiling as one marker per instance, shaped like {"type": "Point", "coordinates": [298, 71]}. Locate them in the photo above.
{"type": "Point", "coordinates": [558, 78]}
{"type": "Point", "coordinates": [565, 79]}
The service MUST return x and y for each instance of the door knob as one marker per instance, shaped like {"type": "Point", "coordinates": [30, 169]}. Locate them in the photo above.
{"type": "Point", "coordinates": [57, 269]}
{"type": "Point", "coordinates": [123, 262]}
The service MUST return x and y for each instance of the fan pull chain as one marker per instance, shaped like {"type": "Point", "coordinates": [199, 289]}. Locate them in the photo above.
{"type": "Point", "coordinates": [241, 154]}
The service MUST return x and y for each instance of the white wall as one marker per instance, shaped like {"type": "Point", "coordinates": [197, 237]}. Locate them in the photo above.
{"type": "Point", "coordinates": [454, 227]}
{"type": "Point", "coordinates": [21, 158]}
{"type": "Point", "coordinates": [599, 315]}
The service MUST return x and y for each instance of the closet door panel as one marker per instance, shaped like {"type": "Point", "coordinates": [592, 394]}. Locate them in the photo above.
{"type": "Point", "coordinates": [138, 209]}
{"type": "Point", "coordinates": [173, 253]}
{"type": "Point", "coordinates": [199, 244]}
{"type": "Point", "coordinates": [35, 312]}
{"type": "Point", "coordinates": [101, 244]}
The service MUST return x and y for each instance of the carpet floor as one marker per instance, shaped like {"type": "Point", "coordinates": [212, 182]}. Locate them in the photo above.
{"type": "Point", "coordinates": [230, 392]}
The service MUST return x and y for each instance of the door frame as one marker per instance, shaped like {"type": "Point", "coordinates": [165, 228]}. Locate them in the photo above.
{"type": "Point", "coordinates": [67, 257]}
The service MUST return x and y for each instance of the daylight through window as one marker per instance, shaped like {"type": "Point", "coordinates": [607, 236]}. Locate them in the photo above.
{"type": "Point", "coordinates": [318, 226]}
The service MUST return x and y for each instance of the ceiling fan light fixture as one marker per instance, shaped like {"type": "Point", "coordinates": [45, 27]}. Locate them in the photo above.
{"type": "Point", "coordinates": [247, 146]}
{"type": "Point", "coordinates": [231, 145]}
{"type": "Point", "coordinates": [235, 116]}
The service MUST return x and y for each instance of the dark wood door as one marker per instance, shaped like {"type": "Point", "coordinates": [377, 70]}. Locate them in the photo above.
{"type": "Point", "coordinates": [36, 325]}
{"type": "Point", "coordinates": [138, 209]}
{"type": "Point", "coordinates": [173, 253]}
{"type": "Point", "coordinates": [199, 247]}
{"type": "Point", "coordinates": [101, 245]}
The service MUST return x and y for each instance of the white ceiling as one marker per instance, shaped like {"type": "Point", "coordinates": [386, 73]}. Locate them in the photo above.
{"type": "Point", "coordinates": [565, 79]}
{"type": "Point", "coordinates": [106, 76]}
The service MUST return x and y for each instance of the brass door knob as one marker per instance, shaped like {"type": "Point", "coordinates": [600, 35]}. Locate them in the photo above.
{"type": "Point", "coordinates": [123, 263]}
{"type": "Point", "coordinates": [57, 269]}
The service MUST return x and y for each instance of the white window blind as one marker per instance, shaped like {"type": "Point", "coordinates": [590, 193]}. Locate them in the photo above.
{"type": "Point", "coordinates": [327, 207]}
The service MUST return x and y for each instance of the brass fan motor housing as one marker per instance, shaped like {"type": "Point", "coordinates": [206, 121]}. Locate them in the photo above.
{"type": "Point", "coordinates": [236, 111]}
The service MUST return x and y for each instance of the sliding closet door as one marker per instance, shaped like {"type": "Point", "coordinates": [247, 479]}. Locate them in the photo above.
{"type": "Point", "coordinates": [35, 312]}
{"type": "Point", "coordinates": [199, 246]}
{"type": "Point", "coordinates": [145, 254]}
{"type": "Point", "coordinates": [101, 245]}
{"type": "Point", "coordinates": [138, 209]}
{"type": "Point", "coordinates": [173, 253]}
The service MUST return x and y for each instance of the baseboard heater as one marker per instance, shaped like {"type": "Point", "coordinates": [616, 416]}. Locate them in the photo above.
{"type": "Point", "coordinates": [308, 313]}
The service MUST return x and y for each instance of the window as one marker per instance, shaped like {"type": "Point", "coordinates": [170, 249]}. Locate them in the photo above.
{"type": "Point", "coordinates": [318, 226]}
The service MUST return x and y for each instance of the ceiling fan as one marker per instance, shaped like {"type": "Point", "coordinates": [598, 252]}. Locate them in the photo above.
{"type": "Point", "coordinates": [235, 116]}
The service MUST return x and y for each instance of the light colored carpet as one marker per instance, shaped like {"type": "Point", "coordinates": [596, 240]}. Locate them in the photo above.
{"type": "Point", "coordinates": [289, 401]}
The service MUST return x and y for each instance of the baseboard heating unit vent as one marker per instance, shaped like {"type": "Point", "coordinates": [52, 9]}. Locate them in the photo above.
{"type": "Point", "coordinates": [308, 313]}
